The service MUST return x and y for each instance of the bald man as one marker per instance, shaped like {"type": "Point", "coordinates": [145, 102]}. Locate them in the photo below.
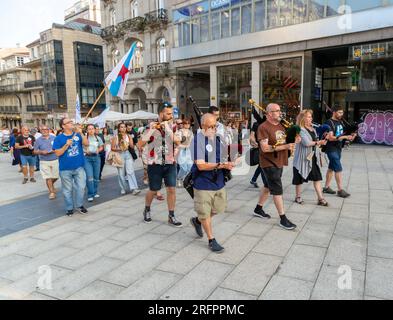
{"type": "Point", "coordinates": [209, 154]}
{"type": "Point", "coordinates": [273, 159]}
{"type": "Point", "coordinates": [25, 143]}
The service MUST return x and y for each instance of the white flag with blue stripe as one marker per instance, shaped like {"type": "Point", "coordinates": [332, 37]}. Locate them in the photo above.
{"type": "Point", "coordinates": [78, 116]}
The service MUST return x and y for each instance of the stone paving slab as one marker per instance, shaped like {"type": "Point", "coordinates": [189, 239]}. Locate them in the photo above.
{"type": "Point", "coordinates": [112, 254]}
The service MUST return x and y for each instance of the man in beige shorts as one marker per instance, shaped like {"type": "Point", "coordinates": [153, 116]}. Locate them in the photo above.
{"type": "Point", "coordinates": [208, 175]}
{"type": "Point", "coordinates": [49, 163]}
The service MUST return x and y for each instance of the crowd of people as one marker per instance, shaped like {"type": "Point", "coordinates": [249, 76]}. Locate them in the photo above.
{"type": "Point", "coordinates": [175, 154]}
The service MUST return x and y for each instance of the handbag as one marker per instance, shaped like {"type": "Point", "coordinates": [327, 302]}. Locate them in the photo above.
{"type": "Point", "coordinates": [133, 153]}
{"type": "Point", "coordinates": [114, 159]}
{"type": "Point", "coordinates": [188, 184]}
{"type": "Point", "coordinates": [252, 157]}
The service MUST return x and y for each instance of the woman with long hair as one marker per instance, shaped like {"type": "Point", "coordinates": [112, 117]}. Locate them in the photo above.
{"type": "Point", "coordinates": [122, 143]}
{"type": "Point", "coordinates": [93, 162]}
{"type": "Point", "coordinates": [306, 166]}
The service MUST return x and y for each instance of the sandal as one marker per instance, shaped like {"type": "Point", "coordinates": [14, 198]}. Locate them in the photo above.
{"type": "Point", "coordinates": [299, 200]}
{"type": "Point", "coordinates": [323, 203]}
{"type": "Point", "coordinates": [160, 198]}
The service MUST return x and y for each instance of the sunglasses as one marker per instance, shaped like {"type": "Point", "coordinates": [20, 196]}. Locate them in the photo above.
{"type": "Point", "coordinates": [212, 128]}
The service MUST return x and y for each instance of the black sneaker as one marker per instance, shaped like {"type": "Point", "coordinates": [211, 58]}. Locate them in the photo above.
{"type": "Point", "coordinates": [197, 226]}
{"type": "Point", "coordinates": [329, 191]}
{"type": "Point", "coordinates": [25, 180]}
{"type": "Point", "coordinates": [82, 210]}
{"type": "Point", "coordinates": [174, 222]}
{"type": "Point", "coordinates": [261, 214]}
{"type": "Point", "coordinates": [215, 247]}
{"type": "Point", "coordinates": [147, 217]}
{"type": "Point", "coordinates": [343, 194]}
{"type": "Point", "coordinates": [287, 225]}
{"type": "Point", "coordinates": [254, 184]}
{"type": "Point", "coordinates": [70, 213]}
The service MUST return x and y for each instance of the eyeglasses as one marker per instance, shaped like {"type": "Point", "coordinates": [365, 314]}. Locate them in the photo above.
{"type": "Point", "coordinates": [274, 111]}
{"type": "Point", "coordinates": [45, 129]}
{"type": "Point", "coordinates": [68, 122]}
{"type": "Point", "coordinates": [212, 128]}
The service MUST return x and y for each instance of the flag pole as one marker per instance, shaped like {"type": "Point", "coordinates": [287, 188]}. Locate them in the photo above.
{"type": "Point", "coordinates": [96, 102]}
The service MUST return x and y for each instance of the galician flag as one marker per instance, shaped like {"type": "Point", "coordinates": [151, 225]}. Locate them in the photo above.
{"type": "Point", "coordinates": [119, 76]}
{"type": "Point", "coordinates": [78, 117]}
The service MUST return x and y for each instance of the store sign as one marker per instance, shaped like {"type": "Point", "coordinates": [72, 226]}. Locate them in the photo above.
{"type": "Point", "coordinates": [371, 51]}
{"type": "Point", "coordinates": [377, 128]}
{"type": "Point", "coordinates": [215, 4]}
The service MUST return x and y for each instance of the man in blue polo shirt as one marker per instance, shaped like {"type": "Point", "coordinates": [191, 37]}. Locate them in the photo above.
{"type": "Point", "coordinates": [68, 146]}
{"type": "Point", "coordinates": [210, 158]}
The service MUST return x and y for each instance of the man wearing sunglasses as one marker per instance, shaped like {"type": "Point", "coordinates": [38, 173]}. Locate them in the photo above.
{"type": "Point", "coordinates": [68, 146]}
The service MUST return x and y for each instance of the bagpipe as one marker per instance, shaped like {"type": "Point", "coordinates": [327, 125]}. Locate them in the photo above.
{"type": "Point", "coordinates": [197, 110]}
{"type": "Point", "coordinates": [291, 130]}
{"type": "Point", "coordinates": [350, 128]}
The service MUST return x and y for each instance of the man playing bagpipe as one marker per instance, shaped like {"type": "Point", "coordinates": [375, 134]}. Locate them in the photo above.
{"type": "Point", "coordinates": [274, 147]}
{"type": "Point", "coordinates": [333, 150]}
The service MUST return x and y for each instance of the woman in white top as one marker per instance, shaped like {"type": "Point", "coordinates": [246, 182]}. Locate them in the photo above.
{"type": "Point", "coordinates": [121, 143]}
{"type": "Point", "coordinates": [185, 158]}
{"type": "Point", "coordinates": [93, 163]}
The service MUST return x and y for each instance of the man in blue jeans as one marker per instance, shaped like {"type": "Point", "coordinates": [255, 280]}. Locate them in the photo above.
{"type": "Point", "coordinates": [333, 151]}
{"type": "Point", "coordinates": [68, 146]}
{"type": "Point", "coordinates": [25, 143]}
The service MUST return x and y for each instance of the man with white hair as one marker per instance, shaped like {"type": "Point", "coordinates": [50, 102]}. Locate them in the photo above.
{"type": "Point", "coordinates": [209, 154]}
{"type": "Point", "coordinates": [25, 142]}
{"type": "Point", "coordinates": [273, 158]}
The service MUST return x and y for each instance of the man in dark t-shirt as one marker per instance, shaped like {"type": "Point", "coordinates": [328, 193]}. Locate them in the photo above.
{"type": "Point", "coordinates": [333, 151]}
{"type": "Point", "coordinates": [25, 143]}
{"type": "Point", "coordinates": [273, 158]}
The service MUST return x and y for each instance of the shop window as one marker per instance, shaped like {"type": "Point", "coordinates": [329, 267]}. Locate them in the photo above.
{"type": "Point", "coordinates": [333, 7]}
{"type": "Point", "coordinates": [300, 11]}
{"type": "Point", "coordinates": [281, 82]}
{"type": "Point", "coordinates": [246, 18]}
{"type": "Point", "coordinates": [215, 25]}
{"type": "Point", "coordinates": [272, 14]}
{"type": "Point", "coordinates": [259, 19]}
{"type": "Point", "coordinates": [358, 5]}
{"type": "Point", "coordinates": [235, 28]}
{"type": "Point", "coordinates": [225, 31]}
{"type": "Point", "coordinates": [204, 28]}
{"type": "Point", "coordinates": [234, 83]}
{"type": "Point", "coordinates": [316, 9]}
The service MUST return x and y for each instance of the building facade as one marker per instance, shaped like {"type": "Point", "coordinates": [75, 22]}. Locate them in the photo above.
{"type": "Point", "coordinates": [153, 77]}
{"type": "Point", "coordinates": [72, 64]}
{"type": "Point", "coordinates": [298, 53]}
{"type": "Point", "coordinates": [84, 9]}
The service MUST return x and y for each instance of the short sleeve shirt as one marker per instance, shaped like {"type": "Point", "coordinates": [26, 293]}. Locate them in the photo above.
{"type": "Point", "coordinates": [338, 130]}
{"type": "Point", "coordinates": [26, 141]}
{"type": "Point", "coordinates": [211, 151]}
{"type": "Point", "coordinates": [43, 144]}
{"type": "Point", "coordinates": [73, 158]}
{"type": "Point", "coordinates": [276, 136]}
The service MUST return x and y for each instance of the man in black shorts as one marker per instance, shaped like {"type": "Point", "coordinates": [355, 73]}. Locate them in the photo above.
{"type": "Point", "coordinates": [161, 144]}
{"type": "Point", "coordinates": [273, 158]}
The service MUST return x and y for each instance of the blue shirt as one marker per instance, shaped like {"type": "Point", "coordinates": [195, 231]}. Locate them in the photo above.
{"type": "Point", "coordinates": [43, 144]}
{"type": "Point", "coordinates": [73, 158]}
{"type": "Point", "coordinates": [211, 151]}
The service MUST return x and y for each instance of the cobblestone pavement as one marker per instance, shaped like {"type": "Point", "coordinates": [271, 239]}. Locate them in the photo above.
{"type": "Point", "coordinates": [341, 252]}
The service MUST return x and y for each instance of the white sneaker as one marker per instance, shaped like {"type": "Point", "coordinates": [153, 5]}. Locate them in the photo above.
{"type": "Point", "coordinates": [123, 193]}
{"type": "Point", "coordinates": [97, 196]}
{"type": "Point", "coordinates": [90, 199]}
{"type": "Point", "coordinates": [136, 192]}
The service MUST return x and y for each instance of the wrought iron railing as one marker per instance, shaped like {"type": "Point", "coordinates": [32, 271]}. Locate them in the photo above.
{"type": "Point", "coordinates": [33, 84]}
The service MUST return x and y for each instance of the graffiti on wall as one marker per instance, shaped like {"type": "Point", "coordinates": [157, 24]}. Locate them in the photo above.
{"type": "Point", "coordinates": [377, 128]}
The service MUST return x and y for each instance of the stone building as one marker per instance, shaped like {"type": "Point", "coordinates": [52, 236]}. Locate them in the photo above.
{"type": "Point", "coordinates": [84, 9]}
{"type": "Point", "coordinates": [153, 77]}
{"type": "Point", "coordinates": [298, 53]}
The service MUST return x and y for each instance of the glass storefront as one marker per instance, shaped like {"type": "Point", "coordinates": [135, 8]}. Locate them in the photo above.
{"type": "Point", "coordinates": [281, 83]}
{"type": "Point", "coordinates": [215, 19]}
{"type": "Point", "coordinates": [234, 91]}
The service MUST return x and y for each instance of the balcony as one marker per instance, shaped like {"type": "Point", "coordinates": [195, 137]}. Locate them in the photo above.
{"type": "Point", "coordinates": [34, 84]}
{"type": "Point", "coordinates": [156, 19]}
{"type": "Point", "coordinates": [11, 89]}
{"type": "Point", "coordinates": [158, 70]}
{"type": "Point", "coordinates": [9, 109]}
{"type": "Point", "coordinates": [37, 109]}
{"type": "Point", "coordinates": [134, 25]}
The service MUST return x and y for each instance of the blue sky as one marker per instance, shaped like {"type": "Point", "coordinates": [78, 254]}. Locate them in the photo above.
{"type": "Point", "coordinates": [21, 21]}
